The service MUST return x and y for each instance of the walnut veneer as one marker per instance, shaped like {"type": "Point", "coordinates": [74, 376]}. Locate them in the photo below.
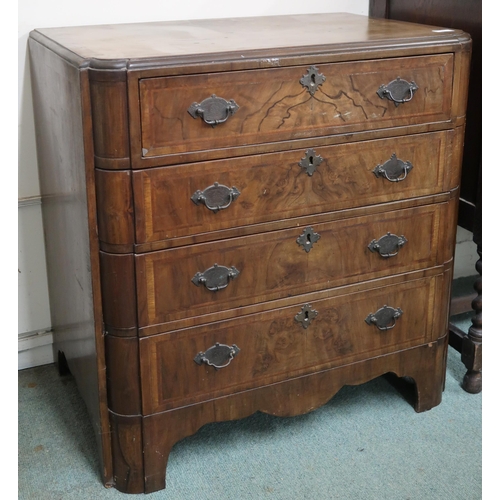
{"type": "Point", "coordinates": [465, 15]}
{"type": "Point", "coordinates": [239, 218]}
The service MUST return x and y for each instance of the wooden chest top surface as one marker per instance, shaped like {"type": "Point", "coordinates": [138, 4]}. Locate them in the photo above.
{"type": "Point", "coordinates": [211, 36]}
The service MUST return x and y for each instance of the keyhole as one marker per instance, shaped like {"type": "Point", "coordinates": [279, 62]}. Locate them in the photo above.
{"type": "Point", "coordinates": [308, 237]}
{"type": "Point", "coordinates": [306, 316]}
{"type": "Point", "coordinates": [313, 78]}
{"type": "Point", "coordinates": [311, 160]}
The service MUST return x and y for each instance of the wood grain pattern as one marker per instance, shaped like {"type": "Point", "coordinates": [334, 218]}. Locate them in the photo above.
{"type": "Point", "coordinates": [128, 461]}
{"type": "Point", "coordinates": [424, 364]}
{"type": "Point", "coordinates": [115, 208]}
{"type": "Point", "coordinates": [274, 346]}
{"type": "Point", "coordinates": [239, 312]}
{"type": "Point", "coordinates": [110, 119]}
{"type": "Point", "coordinates": [174, 42]}
{"type": "Point", "coordinates": [274, 106]}
{"type": "Point", "coordinates": [65, 150]}
{"type": "Point", "coordinates": [305, 220]}
{"type": "Point", "coordinates": [273, 265]}
{"type": "Point", "coordinates": [466, 15]}
{"type": "Point", "coordinates": [275, 186]}
{"type": "Point", "coordinates": [112, 104]}
{"type": "Point", "coordinates": [122, 375]}
{"type": "Point", "coordinates": [119, 296]}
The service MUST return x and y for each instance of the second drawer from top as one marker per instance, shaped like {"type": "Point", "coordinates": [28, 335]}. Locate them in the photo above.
{"type": "Point", "coordinates": [178, 201]}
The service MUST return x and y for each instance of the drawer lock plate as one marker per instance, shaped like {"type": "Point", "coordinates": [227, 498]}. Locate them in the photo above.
{"type": "Point", "coordinates": [312, 80]}
{"type": "Point", "coordinates": [310, 162]}
{"type": "Point", "coordinates": [306, 315]}
{"type": "Point", "coordinates": [307, 239]}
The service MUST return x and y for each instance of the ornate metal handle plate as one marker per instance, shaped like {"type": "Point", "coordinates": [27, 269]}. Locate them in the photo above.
{"type": "Point", "coordinates": [216, 277]}
{"type": "Point", "coordinates": [385, 318]}
{"type": "Point", "coordinates": [398, 91]}
{"type": "Point", "coordinates": [310, 162]}
{"type": "Point", "coordinates": [216, 197]}
{"type": "Point", "coordinates": [213, 110]}
{"type": "Point", "coordinates": [388, 245]}
{"type": "Point", "coordinates": [393, 169]}
{"type": "Point", "coordinates": [306, 315]}
{"type": "Point", "coordinates": [218, 356]}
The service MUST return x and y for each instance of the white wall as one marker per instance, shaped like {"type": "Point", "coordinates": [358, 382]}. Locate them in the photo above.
{"type": "Point", "coordinates": [33, 310]}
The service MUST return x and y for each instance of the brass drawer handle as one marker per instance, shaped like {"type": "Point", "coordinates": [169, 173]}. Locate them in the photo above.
{"type": "Point", "coordinates": [213, 110]}
{"type": "Point", "coordinates": [216, 197]}
{"type": "Point", "coordinates": [398, 91]}
{"type": "Point", "coordinates": [393, 169]}
{"type": "Point", "coordinates": [388, 245]}
{"type": "Point", "coordinates": [219, 356]}
{"type": "Point", "coordinates": [385, 318]}
{"type": "Point", "coordinates": [215, 278]}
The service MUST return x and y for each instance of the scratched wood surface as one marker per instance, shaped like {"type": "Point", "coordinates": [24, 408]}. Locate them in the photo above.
{"type": "Point", "coordinates": [205, 36]}
{"type": "Point", "coordinates": [274, 106]}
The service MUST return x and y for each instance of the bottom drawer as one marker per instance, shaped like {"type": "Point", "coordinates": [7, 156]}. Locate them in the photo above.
{"type": "Point", "coordinates": [289, 341]}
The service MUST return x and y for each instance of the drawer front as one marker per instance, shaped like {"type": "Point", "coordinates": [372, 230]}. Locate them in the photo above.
{"type": "Point", "coordinates": [273, 105]}
{"type": "Point", "coordinates": [180, 201]}
{"type": "Point", "coordinates": [274, 345]}
{"type": "Point", "coordinates": [272, 265]}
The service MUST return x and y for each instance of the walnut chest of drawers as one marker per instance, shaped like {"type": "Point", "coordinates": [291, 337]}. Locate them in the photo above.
{"type": "Point", "coordinates": [245, 215]}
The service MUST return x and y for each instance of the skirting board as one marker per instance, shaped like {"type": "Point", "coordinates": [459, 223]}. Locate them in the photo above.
{"type": "Point", "coordinates": [35, 349]}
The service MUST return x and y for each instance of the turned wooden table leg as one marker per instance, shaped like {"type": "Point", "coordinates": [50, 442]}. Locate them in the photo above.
{"type": "Point", "coordinates": [472, 348]}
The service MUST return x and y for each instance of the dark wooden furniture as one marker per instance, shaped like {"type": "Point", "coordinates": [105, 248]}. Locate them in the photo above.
{"type": "Point", "coordinates": [465, 15]}
{"type": "Point", "coordinates": [245, 215]}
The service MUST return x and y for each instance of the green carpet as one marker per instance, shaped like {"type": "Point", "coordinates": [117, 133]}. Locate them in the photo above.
{"type": "Point", "coordinates": [366, 443]}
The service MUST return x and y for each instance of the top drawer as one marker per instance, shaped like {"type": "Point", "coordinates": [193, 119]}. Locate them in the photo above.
{"type": "Point", "coordinates": [270, 105]}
